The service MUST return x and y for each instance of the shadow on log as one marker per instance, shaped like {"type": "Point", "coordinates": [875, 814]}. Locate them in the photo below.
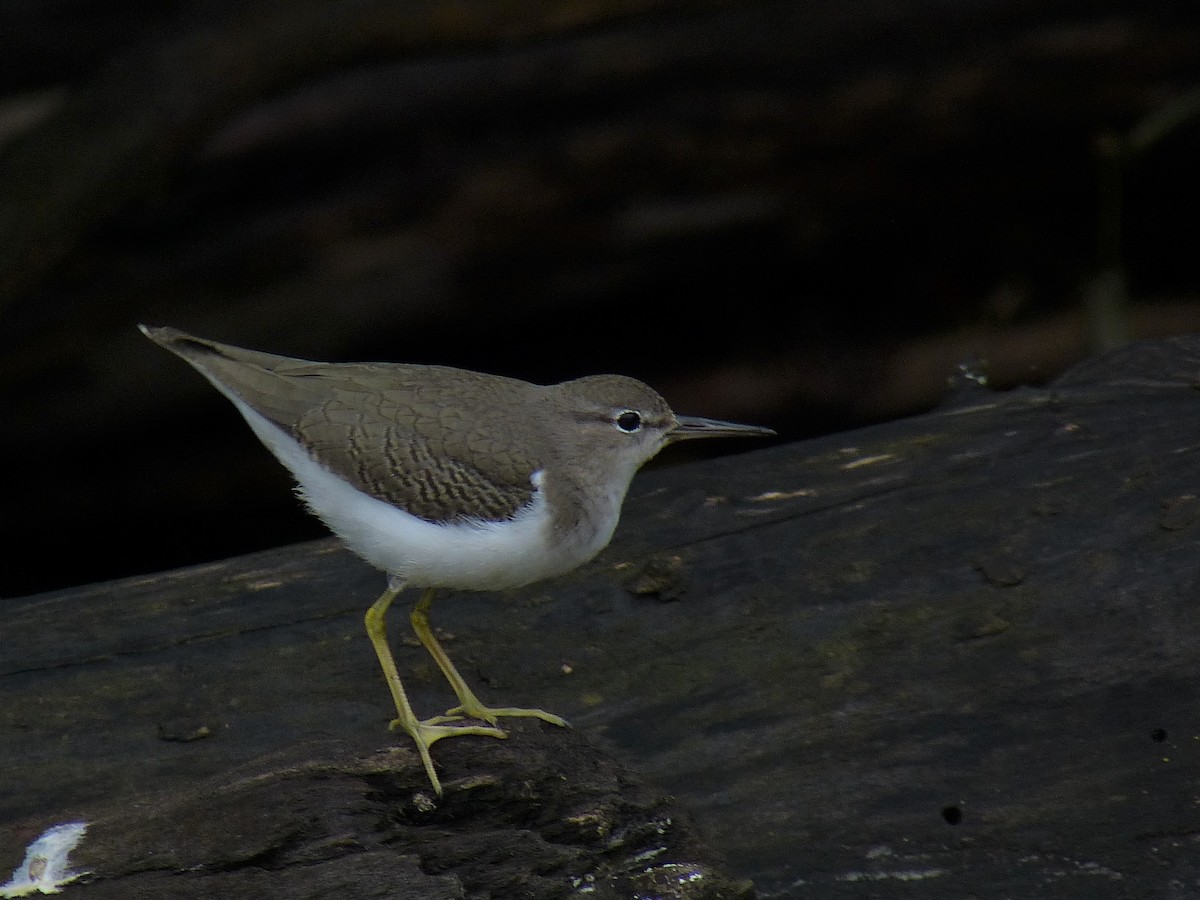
{"type": "Point", "coordinates": [948, 656]}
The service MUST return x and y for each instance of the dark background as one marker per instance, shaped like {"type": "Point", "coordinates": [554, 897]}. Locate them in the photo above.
{"type": "Point", "coordinates": [807, 215]}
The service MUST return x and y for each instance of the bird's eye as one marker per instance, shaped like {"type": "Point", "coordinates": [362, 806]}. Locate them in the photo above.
{"type": "Point", "coordinates": [629, 421]}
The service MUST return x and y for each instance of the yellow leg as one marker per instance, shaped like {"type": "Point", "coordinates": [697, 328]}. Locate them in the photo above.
{"type": "Point", "coordinates": [423, 733]}
{"type": "Point", "coordinates": [469, 705]}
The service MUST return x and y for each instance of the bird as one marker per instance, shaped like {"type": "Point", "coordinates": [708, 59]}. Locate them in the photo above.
{"type": "Point", "coordinates": [445, 478]}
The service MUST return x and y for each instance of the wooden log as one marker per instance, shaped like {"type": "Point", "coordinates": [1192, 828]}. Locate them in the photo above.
{"type": "Point", "coordinates": [947, 656]}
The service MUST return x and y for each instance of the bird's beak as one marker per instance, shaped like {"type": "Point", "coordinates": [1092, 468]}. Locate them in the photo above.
{"type": "Point", "coordinates": [687, 427]}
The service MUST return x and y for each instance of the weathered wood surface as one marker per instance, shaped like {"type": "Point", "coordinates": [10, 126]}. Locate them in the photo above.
{"type": "Point", "coordinates": [329, 818]}
{"type": "Point", "coordinates": [948, 656]}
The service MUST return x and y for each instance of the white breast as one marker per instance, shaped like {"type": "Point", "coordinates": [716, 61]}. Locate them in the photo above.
{"type": "Point", "coordinates": [473, 555]}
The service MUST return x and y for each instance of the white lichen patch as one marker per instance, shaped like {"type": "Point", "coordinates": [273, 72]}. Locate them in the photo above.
{"type": "Point", "coordinates": [44, 869]}
{"type": "Point", "coordinates": [868, 461]}
{"type": "Point", "coordinates": [897, 875]}
{"type": "Point", "coordinates": [769, 496]}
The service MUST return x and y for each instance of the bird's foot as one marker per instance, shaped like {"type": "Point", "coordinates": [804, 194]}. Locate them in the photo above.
{"type": "Point", "coordinates": [429, 730]}
{"type": "Point", "coordinates": [425, 733]}
{"type": "Point", "coordinates": [490, 714]}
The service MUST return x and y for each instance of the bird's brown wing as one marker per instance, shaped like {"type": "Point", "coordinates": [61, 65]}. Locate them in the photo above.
{"type": "Point", "coordinates": [442, 444]}
{"type": "Point", "coordinates": [389, 460]}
